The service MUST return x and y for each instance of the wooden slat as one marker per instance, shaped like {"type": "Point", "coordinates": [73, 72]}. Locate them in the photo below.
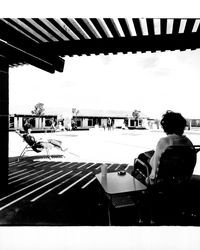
{"type": "Point", "coordinates": [189, 26]}
{"type": "Point", "coordinates": [137, 25]}
{"type": "Point", "coordinates": [43, 23]}
{"type": "Point", "coordinates": [38, 36]}
{"type": "Point", "coordinates": [163, 28]}
{"type": "Point", "coordinates": [176, 25]}
{"type": "Point", "coordinates": [54, 29]}
{"type": "Point", "coordinates": [84, 23]}
{"type": "Point", "coordinates": [196, 27]}
{"type": "Point", "coordinates": [8, 34]}
{"type": "Point", "coordinates": [182, 26]}
{"type": "Point", "coordinates": [125, 27]}
{"type": "Point", "coordinates": [38, 29]}
{"type": "Point", "coordinates": [112, 27]}
{"type": "Point", "coordinates": [79, 28]}
{"type": "Point", "coordinates": [73, 28]}
{"type": "Point", "coordinates": [63, 28]}
{"type": "Point", "coordinates": [118, 27]}
{"type": "Point", "coordinates": [150, 26]}
{"type": "Point", "coordinates": [99, 26]}
{"type": "Point", "coordinates": [24, 29]}
{"type": "Point", "coordinates": [22, 43]}
{"type": "Point", "coordinates": [157, 26]}
{"type": "Point", "coordinates": [143, 24]}
{"type": "Point", "coordinates": [170, 22]}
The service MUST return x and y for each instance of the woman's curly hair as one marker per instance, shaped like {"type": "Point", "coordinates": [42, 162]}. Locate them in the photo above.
{"type": "Point", "coordinates": [173, 123]}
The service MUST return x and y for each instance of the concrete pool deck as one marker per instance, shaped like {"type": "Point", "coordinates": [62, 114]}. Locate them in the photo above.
{"type": "Point", "coordinates": [97, 145]}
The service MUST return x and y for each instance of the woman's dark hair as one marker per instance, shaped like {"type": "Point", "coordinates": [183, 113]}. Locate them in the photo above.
{"type": "Point", "coordinates": [173, 123]}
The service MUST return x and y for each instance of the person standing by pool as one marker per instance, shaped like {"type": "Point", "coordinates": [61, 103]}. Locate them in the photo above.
{"type": "Point", "coordinates": [27, 126]}
{"type": "Point", "coordinates": [109, 123]}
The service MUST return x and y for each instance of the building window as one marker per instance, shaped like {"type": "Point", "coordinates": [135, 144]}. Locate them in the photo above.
{"type": "Point", "coordinates": [31, 121]}
{"type": "Point", "coordinates": [11, 122]}
{"type": "Point", "coordinates": [48, 122]}
{"type": "Point", "coordinates": [132, 123]}
{"type": "Point", "coordinates": [90, 123]}
{"type": "Point", "coordinates": [78, 123]}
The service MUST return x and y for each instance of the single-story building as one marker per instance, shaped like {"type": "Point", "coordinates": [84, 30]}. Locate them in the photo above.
{"type": "Point", "coordinates": [119, 119]}
{"type": "Point", "coordinates": [39, 123]}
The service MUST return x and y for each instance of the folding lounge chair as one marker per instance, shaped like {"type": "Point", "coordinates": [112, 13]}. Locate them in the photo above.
{"type": "Point", "coordinates": [38, 146]}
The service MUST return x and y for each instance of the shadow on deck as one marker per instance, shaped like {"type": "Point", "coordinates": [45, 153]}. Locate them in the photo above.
{"type": "Point", "coordinates": [56, 193]}
{"type": "Point", "coordinates": [53, 192]}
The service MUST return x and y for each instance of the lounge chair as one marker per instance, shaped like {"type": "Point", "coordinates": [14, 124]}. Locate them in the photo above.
{"type": "Point", "coordinates": [39, 146]}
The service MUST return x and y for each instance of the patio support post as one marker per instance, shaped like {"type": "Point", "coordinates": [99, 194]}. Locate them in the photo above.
{"type": "Point", "coordinates": [4, 114]}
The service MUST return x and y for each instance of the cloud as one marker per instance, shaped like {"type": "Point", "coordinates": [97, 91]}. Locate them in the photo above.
{"type": "Point", "coordinates": [148, 61]}
{"type": "Point", "coordinates": [149, 82]}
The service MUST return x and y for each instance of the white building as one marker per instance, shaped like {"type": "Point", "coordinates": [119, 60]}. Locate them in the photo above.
{"type": "Point", "coordinates": [86, 119]}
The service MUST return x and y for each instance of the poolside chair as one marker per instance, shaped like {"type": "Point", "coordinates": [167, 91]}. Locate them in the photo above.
{"type": "Point", "coordinates": [38, 146]}
{"type": "Point", "coordinates": [177, 165]}
{"type": "Point", "coordinates": [167, 197]}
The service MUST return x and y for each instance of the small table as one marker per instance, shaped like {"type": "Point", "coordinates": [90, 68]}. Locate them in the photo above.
{"type": "Point", "coordinates": [115, 185]}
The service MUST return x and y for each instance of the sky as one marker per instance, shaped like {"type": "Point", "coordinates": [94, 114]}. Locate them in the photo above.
{"type": "Point", "coordinates": [149, 82]}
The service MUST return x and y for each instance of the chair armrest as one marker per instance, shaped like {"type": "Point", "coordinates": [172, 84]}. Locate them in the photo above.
{"type": "Point", "coordinates": [142, 163]}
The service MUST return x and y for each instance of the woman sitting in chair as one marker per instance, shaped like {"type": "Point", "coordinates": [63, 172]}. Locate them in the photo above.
{"type": "Point", "coordinates": [173, 125]}
{"type": "Point", "coordinates": [41, 144]}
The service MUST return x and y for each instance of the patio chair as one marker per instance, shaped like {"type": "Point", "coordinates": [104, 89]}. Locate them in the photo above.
{"type": "Point", "coordinates": [167, 197]}
{"type": "Point", "coordinates": [39, 146]}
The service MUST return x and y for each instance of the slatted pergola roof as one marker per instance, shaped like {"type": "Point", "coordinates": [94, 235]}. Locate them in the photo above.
{"type": "Point", "coordinates": [44, 42]}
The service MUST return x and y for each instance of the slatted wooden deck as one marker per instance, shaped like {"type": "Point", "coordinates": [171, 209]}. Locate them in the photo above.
{"type": "Point", "coordinates": [52, 192]}
{"type": "Point", "coordinates": [58, 193]}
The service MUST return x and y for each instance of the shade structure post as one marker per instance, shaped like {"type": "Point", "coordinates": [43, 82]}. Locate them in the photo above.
{"type": "Point", "coordinates": [4, 114]}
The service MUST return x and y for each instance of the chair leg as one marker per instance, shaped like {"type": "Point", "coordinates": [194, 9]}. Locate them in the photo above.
{"type": "Point", "coordinates": [22, 153]}
{"type": "Point", "coordinates": [109, 217]}
{"type": "Point", "coordinates": [48, 155]}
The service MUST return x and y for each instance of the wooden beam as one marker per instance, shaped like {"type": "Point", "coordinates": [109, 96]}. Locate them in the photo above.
{"type": "Point", "coordinates": [11, 51]}
{"type": "Point", "coordinates": [21, 42]}
{"type": "Point", "coordinates": [124, 44]}
{"type": "Point", "coordinates": [4, 123]}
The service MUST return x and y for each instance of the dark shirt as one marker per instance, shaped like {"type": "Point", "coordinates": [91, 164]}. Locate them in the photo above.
{"type": "Point", "coordinates": [36, 146]}
{"type": "Point", "coordinates": [29, 139]}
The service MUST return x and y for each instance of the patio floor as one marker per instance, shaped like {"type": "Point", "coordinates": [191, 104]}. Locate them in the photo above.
{"type": "Point", "coordinates": [53, 193]}
{"type": "Point", "coordinates": [56, 193]}
{"type": "Point", "coordinates": [64, 191]}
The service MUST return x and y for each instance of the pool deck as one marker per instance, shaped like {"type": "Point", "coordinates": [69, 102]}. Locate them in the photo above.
{"type": "Point", "coordinates": [97, 145]}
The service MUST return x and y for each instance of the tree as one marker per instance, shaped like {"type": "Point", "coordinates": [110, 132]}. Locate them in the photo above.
{"type": "Point", "coordinates": [73, 120]}
{"type": "Point", "coordinates": [38, 109]}
{"type": "Point", "coordinates": [75, 111]}
{"type": "Point", "coordinates": [136, 115]}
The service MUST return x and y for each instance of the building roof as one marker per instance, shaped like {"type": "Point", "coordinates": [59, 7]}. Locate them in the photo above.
{"type": "Point", "coordinates": [31, 115]}
{"type": "Point", "coordinates": [43, 42]}
{"type": "Point", "coordinates": [106, 113]}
